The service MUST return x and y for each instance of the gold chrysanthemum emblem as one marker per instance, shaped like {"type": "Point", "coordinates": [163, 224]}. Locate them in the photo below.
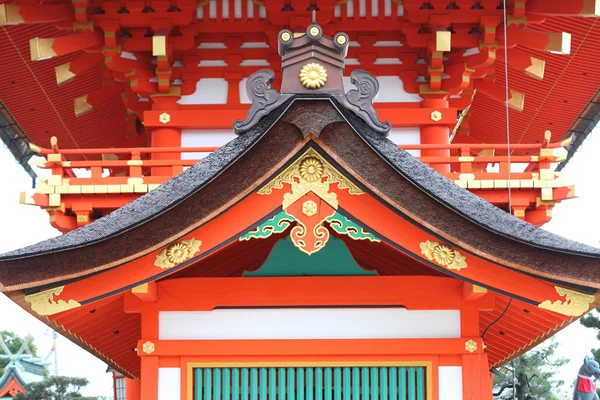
{"type": "Point", "coordinates": [311, 169]}
{"type": "Point", "coordinates": [313, 76]}
{"type": "Point", "coordinates": [443, 255]}
{"type": "Point", "coordinates": [178, 253]}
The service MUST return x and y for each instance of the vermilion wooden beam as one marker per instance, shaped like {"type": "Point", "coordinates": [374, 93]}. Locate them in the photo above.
{"type": "Point", "coordinates": [68, 71]}
{"type": "Point", "coordinates": [258, 349]}
{"type": "Point", "coordinates": [146, 292]}
{"type": "Point", "coordinates": [12, 14]}
{"type": "Point", "coordinates": [208, 118]}
{"type": "Point", "coordinates": [43, 48]}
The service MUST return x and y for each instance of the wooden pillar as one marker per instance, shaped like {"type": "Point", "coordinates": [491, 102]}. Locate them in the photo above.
{"type": "Point", "coordinates": [132, 389]}
{"type": "Point", "coordinates": [149, 375]}
{"type": "Point", "coordinates": [165, 137]}
{"type": "Point", "coordinates": [435, 134]}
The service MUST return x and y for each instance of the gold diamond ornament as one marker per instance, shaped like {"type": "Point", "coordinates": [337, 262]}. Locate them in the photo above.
{"type": "Point", "coordinates": [313, 76]}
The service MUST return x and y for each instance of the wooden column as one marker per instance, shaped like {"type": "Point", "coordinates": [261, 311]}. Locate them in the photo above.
{"type": "Point", "coordinates": [165, 136]}
{"type": "Point", "coordinates": [149, 375]}
{"type": "Point", "coordinates": [435, 134]}
{"type": "Point", "coordinates": [132, 389]}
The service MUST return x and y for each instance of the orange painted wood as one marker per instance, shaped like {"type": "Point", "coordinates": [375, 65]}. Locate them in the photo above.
{"type": "Point", "coordinates": [450, 360]}
{"type": "Point", "coordinates": [149, 378]}
{"type": "Point", "coordinates": [150, 324]}
{"type": "Point", "coordinates": [413, 292]}
{"type": "Point", "coordinates": [213, 233]}
{"type": "Point", "coordinates": [149, 295]}
{"type": "Point", "coordinates": [169, 362]}
{"type": "Point", "coordinates": [132, 389]}
{"type": "Point", "coordinates": [257, 349]}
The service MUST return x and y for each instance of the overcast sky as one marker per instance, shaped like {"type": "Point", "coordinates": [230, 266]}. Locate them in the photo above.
{"type": "Point", "coordinates": [577, 219]}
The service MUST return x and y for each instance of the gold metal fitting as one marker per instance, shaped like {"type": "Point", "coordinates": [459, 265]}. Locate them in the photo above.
{"type": "Point", "coordinates": [164, 118]}
{"type": "Point", "coordinates": [436, 116]}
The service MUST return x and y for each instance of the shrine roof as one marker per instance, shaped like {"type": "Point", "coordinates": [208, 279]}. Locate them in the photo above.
{"type": "Point", "coordinates": [5, 380]}
{"type": "Point", "coordinates": [496, 222]}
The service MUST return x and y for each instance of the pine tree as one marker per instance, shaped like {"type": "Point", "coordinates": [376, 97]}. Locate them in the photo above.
{"type": "Point", "coordinates": [534, 374]}
{"type": "Point", "coordinates": [56, 388]}
{"type": "Point", "coordinates": [14, 343]}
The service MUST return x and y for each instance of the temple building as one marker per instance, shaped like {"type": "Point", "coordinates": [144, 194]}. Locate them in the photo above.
{"type": "Point", "coordinates": [21, 370]}
{"type": "Point", "coordinates": [301, 199]}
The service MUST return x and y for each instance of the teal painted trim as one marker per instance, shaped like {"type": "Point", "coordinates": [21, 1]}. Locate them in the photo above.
{"type": "Point", "coordinates": [332, 260]}
{"type": "Point", "coordinates": [275, 225]}
{"type": "Point", "coordinates": [337, 383]}
{"type": "Point", "coordinates": [226, 382]}
{"type": "Point", "coordinates": [198, 384]}
{"type": "Point", "coordinates": [374, 383]}
{"type": "Point", "coordinates": [281, 383]}
{"type": "Point", "coordinates": [300, 384]}
{"type": "Point", "coordinates": [402, 381]}
{"type": "Point", "coordinates": [263, 384]}
{"type": "Point", "coordinates": [217, 384]}
{"type": "Point", "coordinates": [253, 384]}
{"type": "Point", "coordinates": [291, 380]}
{"type": "Point", "coordinates": [207, 384]}
{"type": "Point", "coordinates": [355, 383]}
{"type": "Point", "coordinates": [365, 383]}
{"type": "Point", "coordinates": [347, 383]}
{"type": "Point", "coordinates": [235, 382]}
{"type": "Point", "coordinates": [421, 383]}
{"type": "Point", "coordinates": [318, 383]}
{"type": "Point", "coordinates": [272, 383]}
{"type": "Point", "coordinates": [244, 383]}
{"type": "Point", "coordinates": [383, 383]}
{"type": "Point", "coordinates": [328, 384]}
{"type": "Point", "coordinates": [344, 226]}
{"type": "Point", "coordinates": [393, 383]}
{"type": "Point", "coordinates": [412, 395]}
{"type": "Point", "coordinates": [310, 389]}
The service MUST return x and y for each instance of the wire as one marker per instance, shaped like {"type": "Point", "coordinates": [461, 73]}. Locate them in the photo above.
{"type": "Point", "coordinates": [497, 319]}
{"type": "Point", "coordinates": [506, 107]}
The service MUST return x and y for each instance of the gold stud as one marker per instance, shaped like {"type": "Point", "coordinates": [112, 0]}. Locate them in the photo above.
{"type": "Point", "coordinates": [436, 116]}
{"type": "Point", "coordinates": [342, 40]}
{"type": "Point", "coordinates": [314, 31]}
{"type": "Point", "coordinates": [285, 36]}
{"type": "Point", "coordinates": [164, 118]}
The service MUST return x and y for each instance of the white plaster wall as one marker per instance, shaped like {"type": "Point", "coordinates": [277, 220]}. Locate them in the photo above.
{"type": "Point", "coordinates": [204, 138]}
{"type": "Point", "coordinates": [208, 91]}
{"type": "Point", "coordinates": [309, 323]}
{"type": "Point", "coordinates": [408, 135]}
{"type": "Point", "coordinates": [169, 383]}
{"type": "Point", "coordinates": [450, 383]}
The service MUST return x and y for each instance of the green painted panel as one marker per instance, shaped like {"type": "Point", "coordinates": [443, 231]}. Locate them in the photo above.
{"type": "Point", "coordinates": [402, 383]}
{"type": "Point", "coordinates": [272, 383]}
{"type": "Point", "coordinates": [310, 379]}
{"type": "Point", "coordinates": [393, 383]}
{"type": "Point", "coordinates": [318, 383]}
{"type": "Point", "coordinates": [344, 226]}
{"type": "Point", "coordinates": [198, 384]}
{"type": "Point", "coordinates": [332, 260]}
{"type": "Point", "coordinates": [411, 384]}
{"type": "Point", "coordinates": [235, 382]}
{"type": "Point", "coordinates": [207, 384]}
{"type": "Point", "coordinates": [383, 383]}
{"type": "Point", "coordinates": [291, 380]}
{"type": "Point", "coordinates": [329, 383]}
{"type": "Point", "coordinates": [244, 383]}
{"type": "Point", "coordinates": [300, 384]}
{"type": "Point", "coordinates": [337, 384]}
{"type": "Point", "coordinates": [420, 383]}
{"type": "Point", "coordinates": [277, 224]}
{"type": "Point", "coordinates": [226, 382]}
{"type": "Point", "coordinates": [365, 383]}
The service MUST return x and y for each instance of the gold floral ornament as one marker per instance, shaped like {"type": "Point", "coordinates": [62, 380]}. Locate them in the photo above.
{"type": "Point", "coordinates": [311, 169]}
{"type": "Point", "coordinates": [574, 305]}
{"type": "Point", "coordinates": [309, 208]}
{"type": "Point", "coordinates": [148, 347]}
{"type": "Point", "coordinates": [43, 303]}
{"type": "Point", "coordinates": [443, 255]}
{"type": "Point", "coordinates": [313, 76]}
{"type": "Point", "coordinates": [177, 253]}
{"type": "Point", "coordinates": [470, 345]}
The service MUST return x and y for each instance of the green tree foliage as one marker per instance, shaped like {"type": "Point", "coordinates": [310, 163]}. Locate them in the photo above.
{"type": "Point", "coordinates": [14, 343]}
{"type": "Point", "coordinates": [56, 388]}
{"type": "Point", "coordinates": [535, 376]}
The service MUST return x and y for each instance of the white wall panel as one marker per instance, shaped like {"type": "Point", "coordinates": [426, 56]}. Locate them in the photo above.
{"type": "Point", "coordinates": [450, 383]}
{"type": "Point", "coordinates": [169, 383]}
{"type": "Point", "coordinates": [208, 91]}
{"type": "Point", "coordinates": [409, 135]}
{"type": "Point", "coordinates": [204, 138]}
{"type": "Point", "coordinates": [309, 323]}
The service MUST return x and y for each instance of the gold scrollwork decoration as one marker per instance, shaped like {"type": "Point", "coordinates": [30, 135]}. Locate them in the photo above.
{"type": "Point", "coordinates": [300, 170]}
{"type": "Point", "coordinates": [574, 305]}
{"type": "Point", "coordinates": [443, 255]}
{"type": "Point", "coordinates": [177, 253]}
{"type": "Point", "coordinates": [43, 303]}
